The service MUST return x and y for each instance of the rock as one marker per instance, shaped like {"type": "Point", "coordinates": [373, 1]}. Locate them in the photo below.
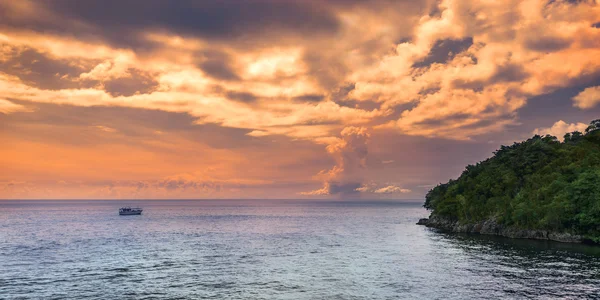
{"type": "Point", "coordinates": [491, 227]}
{"type": "Point", "coordinates": [565, 237]}
{"type": "Point", "coordinates": [423, 221]}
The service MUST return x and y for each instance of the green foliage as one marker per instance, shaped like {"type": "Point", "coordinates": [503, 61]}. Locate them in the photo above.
{"type": "Point", "coordinates": [540, 183]}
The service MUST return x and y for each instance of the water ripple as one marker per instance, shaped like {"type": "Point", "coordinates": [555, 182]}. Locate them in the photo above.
{"type": "Point", "coordinates": [272, 250]}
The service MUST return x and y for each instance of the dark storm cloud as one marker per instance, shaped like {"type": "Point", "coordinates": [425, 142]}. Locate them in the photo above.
{"type": "Point", "coordinates": [120, 21]}
{"type": "Point", "coordinates": [509, 73]}
{"type": "Point", "coordinates": [218, 70]}
{"type": "Point", "coordinates": [367, 105]}
{"type": "Point", "coordinates": [217, 64]}
{"type": "Point", "coordinates": [39, 70]}
{"type": "Point", "coordinates": [444, 50]}
{"type": "Point", "coordinates": [341, 97]}
{"type": "Point", "coordinates": [312, 98]}
{"type": "Point", "coordinates": [429, 91]}
{"type": "Point", "coordinates": [503, 74]}
{"type": "Point", "coordinates": [241, 96]}
{"type": "Point", "coordinates": [548, 44]}
{"type": "Point", "coordinates": [335, 188]}
{"type": "Point", "coordinates": [475, 85]}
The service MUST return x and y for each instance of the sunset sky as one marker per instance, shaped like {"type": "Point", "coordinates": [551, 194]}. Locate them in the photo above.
{"type": "Point", "coordinates": [281, 99]}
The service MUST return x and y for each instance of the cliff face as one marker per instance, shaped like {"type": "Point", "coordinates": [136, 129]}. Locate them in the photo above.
{"type": "Point", "coordinates": [491, 227]}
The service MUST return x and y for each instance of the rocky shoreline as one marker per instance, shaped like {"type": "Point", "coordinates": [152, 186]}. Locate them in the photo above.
{"type": "Point", "coordinates": [491, 227]}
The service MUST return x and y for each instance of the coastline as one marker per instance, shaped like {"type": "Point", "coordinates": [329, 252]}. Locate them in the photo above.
{"type": "Point", "coordinates": [491, 227]}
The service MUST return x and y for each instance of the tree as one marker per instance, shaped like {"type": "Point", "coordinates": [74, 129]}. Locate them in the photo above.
{"type": "Point", "coordinates": [594, 125]}
{"type": "Point", "coordinates": [539, 183]}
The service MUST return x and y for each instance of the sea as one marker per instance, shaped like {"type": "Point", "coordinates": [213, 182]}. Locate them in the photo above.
{"type": "Point", "coordinates": [272, 249]}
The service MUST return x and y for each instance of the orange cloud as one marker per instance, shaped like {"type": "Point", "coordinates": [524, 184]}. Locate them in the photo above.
{"type": "Point", "coordinates": [7, 107]}
{"type": "Point", "coordinates": [390, 189]}
{"type": "Point", "coordinates": [480, 89]}
{"type": "Point", "coordinates": [350, 152]}
{"type": "Point", "coordinates": [324, 73]}
{"type": "Point", "coordinates": [588, 98]}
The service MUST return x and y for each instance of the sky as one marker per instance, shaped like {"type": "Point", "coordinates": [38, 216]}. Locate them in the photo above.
{"type": "Point", "coordinates": [106, 99]}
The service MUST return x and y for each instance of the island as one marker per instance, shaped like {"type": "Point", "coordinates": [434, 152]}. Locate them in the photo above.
{"type": "Point", "coordinates": [540, 188]}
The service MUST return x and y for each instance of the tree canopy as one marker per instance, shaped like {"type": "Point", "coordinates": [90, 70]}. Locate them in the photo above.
{"type": "Point", "coordinates": [540, 183]}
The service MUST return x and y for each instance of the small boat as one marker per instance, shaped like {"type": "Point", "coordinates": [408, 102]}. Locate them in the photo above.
{"type": "Point", "coordinates": [126, 211]}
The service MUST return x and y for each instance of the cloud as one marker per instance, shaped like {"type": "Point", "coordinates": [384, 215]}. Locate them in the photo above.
{"type": "Point", "coordinates": [334, 188]}
{"type": "Point", "coordinates": [560, 128]}
{"type": "Point", "coordinates": [233, 76]}
{"type": "Point", "coordinates": [105, 128]}
{"type": "Point", "coordinates": [350, 153]}
{"type": "Point", "coordinates": [122, 22]}
{"type": "Point", "coordinates": [218, 65]}
{"type": "Point", "coordinates": [462, 71]}
{"type": "Point", "coordinates": [480, 86]}
{"type": "Point", "coordinates": [242, 97]}
{"type": "Point", "coordinates": [587, 98]}
{"type": "Point", "coordinates": [390, 189]}
{"type": "Point", "coordinates": [7, 107]}
{"type": "Point", "coordinates": [40, 69]}
{"type": "Point", "coordinates": [309, 98]}
{"type": "Point", "coordinates": [133, 83]}
{"type": "Point", "coordinates": [443, 51]}
{"type": "Point", "coordinates": [307, 121]}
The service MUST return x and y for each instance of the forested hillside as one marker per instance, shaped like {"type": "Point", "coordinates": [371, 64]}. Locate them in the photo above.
{"type": "Point", "coordinates": [540, 183]}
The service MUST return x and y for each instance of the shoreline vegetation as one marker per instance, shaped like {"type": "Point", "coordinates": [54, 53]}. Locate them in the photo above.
{"type": "Point", "coordinates": [540, 188]}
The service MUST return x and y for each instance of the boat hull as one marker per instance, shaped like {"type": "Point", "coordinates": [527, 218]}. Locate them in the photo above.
{"type": "Point", "coordinates": [130, 213]}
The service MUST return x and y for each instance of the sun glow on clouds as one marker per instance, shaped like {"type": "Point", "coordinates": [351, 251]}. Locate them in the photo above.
{"type": "Point", "coordinates": [451, 69]}
{"type": "Point", "coordinates": [274, 63]}
{"type": "Point", "coordinates": [7, 107]}
{"type": "Point", "coordinates": [588, 98]}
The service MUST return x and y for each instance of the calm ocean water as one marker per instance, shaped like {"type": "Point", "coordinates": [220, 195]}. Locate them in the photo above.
{"type": "Point", "coordinates": [242, 249]}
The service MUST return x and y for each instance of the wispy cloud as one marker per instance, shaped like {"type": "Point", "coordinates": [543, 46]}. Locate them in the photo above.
{"type": "Point", "coordinates": [389, 189]}
{"type": "Point", "coordinates": [105, 128]}
{"type": "Point", "coordinates": [7, 107]}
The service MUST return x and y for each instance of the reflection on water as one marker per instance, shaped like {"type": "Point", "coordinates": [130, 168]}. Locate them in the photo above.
{"type": "Point", "coordinates": [272, 250]}
{"type": "Point", "coordinates": [530, 268]}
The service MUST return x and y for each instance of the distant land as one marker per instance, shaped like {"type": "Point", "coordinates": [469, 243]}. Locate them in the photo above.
{"type": "Point", "coordinates": [541, 188]}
